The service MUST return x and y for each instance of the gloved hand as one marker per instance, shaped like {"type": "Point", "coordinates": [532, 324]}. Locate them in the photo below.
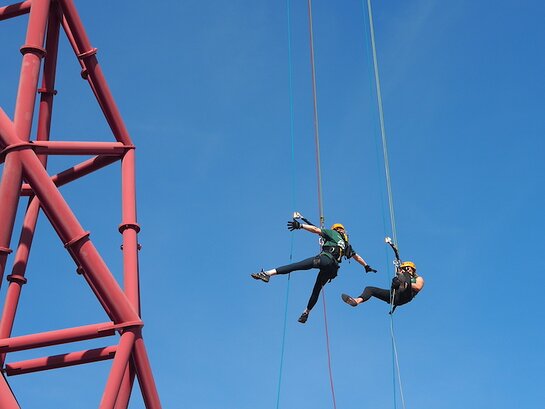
{"type": "Point", "coordinates": [396, 282]}
{"type": "Point", "coordinates": [369, 269]}
{"type": "Point", "coordinates": [294, 225]}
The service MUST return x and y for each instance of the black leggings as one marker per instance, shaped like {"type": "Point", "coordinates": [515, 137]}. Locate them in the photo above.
{"type": "Point", "coordinates": [384, 295]}
{"type": "Point", "coordinates": [328, 271]}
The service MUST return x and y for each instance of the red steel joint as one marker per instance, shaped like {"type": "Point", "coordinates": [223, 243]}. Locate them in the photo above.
{"type": "Point", "coordinates": [125, 226]}
{"type": "Point", "coordinates": [5, 250]}
{"type": "Point", "coordinates": [87, 54]}
{"type": "Point", "coordinates": [138, 246]}
{"type": "Point", "coordinates": [76, 239]}
{"type": "Point", "coordinates": [123, 326]}
{"type": "Point", "coordinates": [47, 91]}
{"type": "Point", "coordinates": [16, 147]}
{"type": "Point", "coordinates": [80, 270]}
{"type": "Point", "coordinates": [39, 51]}
{"type": "Point", "coordinates": [14, 278]}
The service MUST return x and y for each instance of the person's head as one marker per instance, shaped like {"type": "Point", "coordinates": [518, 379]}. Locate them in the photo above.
{"type": "Point", "coordinates": [409, 267]}
{"type": "Point", "coordinates": [338, 227]}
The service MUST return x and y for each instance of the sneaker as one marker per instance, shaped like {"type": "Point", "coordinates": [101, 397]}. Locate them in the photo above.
{"type": "Point", "coordinates": [261, 276]}
{"type": "Point", "coordinates": [349, 300]}
{"type": "Point", "coordinates": [303, 318]}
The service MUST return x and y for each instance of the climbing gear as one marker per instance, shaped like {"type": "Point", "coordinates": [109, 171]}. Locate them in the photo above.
{"type": "Point", "coordinates": [335, 251]}
{"type": "Point", "coordinates": [303, 318]}
{"type": "Point", "coordinates": [408, 264]}
{"type": "Point", "coordinates": [397, 261]}
{"type": "Point", "coordinates": [294, 225]}
{"type": "Point", "coordinates": [261, 276]}
{"type": "Point", "coordinates": [337, 226]}
{"type": "Point", "coordinates": [349, 300]}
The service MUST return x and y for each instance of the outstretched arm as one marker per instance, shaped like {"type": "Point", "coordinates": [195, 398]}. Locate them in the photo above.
{"type": "Point", "coordinates": [312, 229]}
{"type": "Point", "coordinates": [361, 261]}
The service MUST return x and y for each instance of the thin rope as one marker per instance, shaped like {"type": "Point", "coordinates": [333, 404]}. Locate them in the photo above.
{"type": "Point", "coordinates": [319, 177]}
{"type": "Point", "coordinates": [283, 342]}
{"type": "Point", "coordinates": [390, 198]}
{"type": "Point", "coordinates": [394, 353]}
{"type": "Point", "coordinates": [316, 127]}
{"type": "Point", "coordinates": [382, 127]}
{"type": "Point", "coordinates": [394, 349]}
{"type": "Point", "coordinates": [328, 352]}
{"type": "Point", "coordinates": [293, 185]}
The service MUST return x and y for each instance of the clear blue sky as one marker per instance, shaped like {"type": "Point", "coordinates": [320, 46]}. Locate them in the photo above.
{"type": "Point", "coordinates": [204, 90]}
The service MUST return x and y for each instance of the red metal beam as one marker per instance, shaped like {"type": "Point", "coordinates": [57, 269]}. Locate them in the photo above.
{"type": "Point", "coordinates": [60, 361]}
{"type": "Point", "coordinates": [27, 159]}
{"type": "Point", "coordinates": [17, 277]}
{"type": "Point", "coordinates": [58, 337]}
{"type": "Point", "coordinates": [87, 54]}
{"type": "Point", "coordinates": [115, 379]}
{"type": "Point", "coordinates": [75, 172]}
{"type": "Point", "coordinates": [14, 10]}
{"type": "Point", "coordinates": [24, 109]}
{"type": "Point", "coordinates": [7, 398]}
{"type": "Point", "coordinates": [69, 148]}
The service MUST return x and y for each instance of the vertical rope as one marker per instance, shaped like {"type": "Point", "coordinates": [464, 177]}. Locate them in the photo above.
{"type": "Point", "coordinates": [390, 197]}
{"type": "Point", "coordinates": [396, 360]}
{"type": "Point", "coordinates": [283, 342]}
{"type": "Point", "coordinates": [316, 127]}
{"type": "Point", "coordinates": [382, 127]}
{"type": "Point", "coordinates": [319, 177]}
{"type": "Point", "coordinates": [328, 352]}
{"type": "Point", "coordinates": [293, 185]}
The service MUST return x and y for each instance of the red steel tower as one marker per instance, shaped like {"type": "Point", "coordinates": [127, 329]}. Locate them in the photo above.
{"type": "Point", "coordinates": [24, 159]}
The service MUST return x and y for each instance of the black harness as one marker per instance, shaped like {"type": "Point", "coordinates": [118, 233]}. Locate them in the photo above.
{"type": "Point", "coordinates": [404, 293]}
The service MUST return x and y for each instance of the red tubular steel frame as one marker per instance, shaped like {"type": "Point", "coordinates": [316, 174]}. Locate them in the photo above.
{"type": "Point", "coordinates": [26, 158]}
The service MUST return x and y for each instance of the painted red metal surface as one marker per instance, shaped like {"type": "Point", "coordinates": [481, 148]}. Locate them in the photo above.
{"type": "Point", "coordinates": [24, 157]}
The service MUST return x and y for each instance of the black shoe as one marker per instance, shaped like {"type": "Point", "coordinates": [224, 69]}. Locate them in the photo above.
{"type": "Point", "coordinates": [349, 300]}
{"type": "Point", "coordinates": [261, 276]}
{"type": "Point", "coordinates": [303, 318]}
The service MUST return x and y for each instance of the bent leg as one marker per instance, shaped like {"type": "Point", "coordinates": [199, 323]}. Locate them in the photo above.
{"type": "Point", "coordinates": [380, 293]}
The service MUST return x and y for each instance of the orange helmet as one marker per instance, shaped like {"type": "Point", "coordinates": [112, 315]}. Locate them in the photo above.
{"type": "Point", "coordinates": [337, 226]}
{"type": "Point", "coordinates": [408, 264]}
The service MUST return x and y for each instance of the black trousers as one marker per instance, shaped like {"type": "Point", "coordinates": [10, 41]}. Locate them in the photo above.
{"type": "Point", "coordinates": [401, 297]}
{"type": "Point", "coordinates": [328, 271]}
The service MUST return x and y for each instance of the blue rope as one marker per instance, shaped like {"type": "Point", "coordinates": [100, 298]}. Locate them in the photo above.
{"type": "Point", "coordinates": [370, 33]}
{"type": "Point", "coordinates": [293, 185]}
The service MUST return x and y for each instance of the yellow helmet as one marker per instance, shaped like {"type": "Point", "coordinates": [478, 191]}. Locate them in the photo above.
{"type": "Point", "coordinates": [408, 264]}
{"type": "Point", "coordinates": [337, 226]}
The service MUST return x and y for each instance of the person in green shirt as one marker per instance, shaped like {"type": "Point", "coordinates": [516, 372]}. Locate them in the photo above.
{"type": "Point", "coordinates": [335, 246]}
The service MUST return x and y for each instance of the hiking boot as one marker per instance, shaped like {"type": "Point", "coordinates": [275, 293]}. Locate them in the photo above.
{"type": "Point", "coordinates": [261, 276]}
{"type": "Point", "coordinates": [303, 318]}
{"type": "Point", "coordinates": [349, 300]}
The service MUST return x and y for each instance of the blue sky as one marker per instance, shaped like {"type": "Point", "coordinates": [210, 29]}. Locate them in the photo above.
{"type": "Point", "coordinates": [204, 90]}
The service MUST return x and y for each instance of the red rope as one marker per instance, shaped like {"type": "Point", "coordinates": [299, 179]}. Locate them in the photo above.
{"type": "Point", "coordinates": [328, 351]}
{"type": "Point", "coordinates": [316, 127]}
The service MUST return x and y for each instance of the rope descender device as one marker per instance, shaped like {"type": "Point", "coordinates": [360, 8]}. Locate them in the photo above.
{"type": "Point", "coordinates": [397, 261]}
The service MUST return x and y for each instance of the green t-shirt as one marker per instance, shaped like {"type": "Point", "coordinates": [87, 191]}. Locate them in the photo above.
{"type": "Point", "coordinates": [332, 238]}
